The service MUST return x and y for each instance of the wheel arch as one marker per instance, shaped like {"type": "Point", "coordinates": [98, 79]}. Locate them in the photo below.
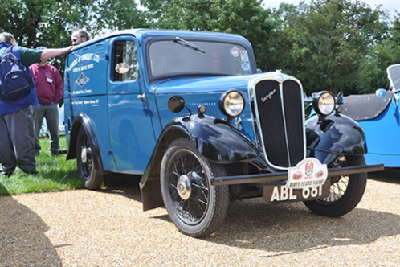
{"type": "Point", "coordinates": [150, 182]}
{"type": "Point", "coordinates": [83, 121]}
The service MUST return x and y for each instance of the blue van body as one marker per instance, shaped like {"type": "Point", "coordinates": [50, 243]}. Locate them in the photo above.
{"type": "Point", "coordinates": [115, 108]}
{"type": "Point", "coordinates": [155, 103]}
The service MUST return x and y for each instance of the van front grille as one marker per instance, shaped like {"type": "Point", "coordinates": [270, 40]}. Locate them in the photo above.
{"type": "Point", "coordinates": [280, 121]}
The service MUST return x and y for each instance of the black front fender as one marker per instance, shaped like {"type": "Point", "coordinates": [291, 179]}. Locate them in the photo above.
{"type": "Point", "coordinates": [332, 136]}
{"type": "Point", "coordinates": [215, 139]}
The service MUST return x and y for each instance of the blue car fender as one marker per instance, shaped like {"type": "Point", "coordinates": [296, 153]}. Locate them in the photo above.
{"type": "Point", "coordinates": [337, 134]}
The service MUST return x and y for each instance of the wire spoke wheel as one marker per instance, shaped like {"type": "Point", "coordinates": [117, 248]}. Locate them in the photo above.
{"type": "Point", "coordinates": [194, 205]}
{"type": "Point", "coordinates": [85, 159]}
{"type": "Point", "coordinates": [337, 190]}
{"type": "Point", "coordinates": [345, 191]}
{"type": "Point", "coordinates": [185, 170]}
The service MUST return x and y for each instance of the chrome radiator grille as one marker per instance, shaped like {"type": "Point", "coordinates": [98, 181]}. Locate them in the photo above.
{"type": "Point", "coordinates": [280, 121]}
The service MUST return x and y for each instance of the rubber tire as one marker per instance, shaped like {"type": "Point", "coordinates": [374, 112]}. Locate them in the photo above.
{"type": "Point", "coordinates": [92, 180]}
{"type": "Point", "coordinates": [351, 197]}
{"type": "Point", "coordinates": [218, 195]}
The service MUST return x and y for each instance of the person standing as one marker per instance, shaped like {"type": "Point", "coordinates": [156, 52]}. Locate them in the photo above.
{"type": "Point", "coordinates": [49, 89]}
{"type": "Point", "coordinates": [16, 124]}
{"type": "Point", "coordinates": [79, 36]}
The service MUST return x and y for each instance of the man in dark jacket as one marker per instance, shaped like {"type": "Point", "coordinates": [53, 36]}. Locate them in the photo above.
{"type": "Point", "coordinates": [16, 125]}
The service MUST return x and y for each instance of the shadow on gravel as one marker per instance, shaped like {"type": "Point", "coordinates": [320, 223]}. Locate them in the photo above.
{"type": "Point", "coordinates": [387, 176]}
{"type": "Point", "coordinates": [122, 184]}
{"type": "Point", "coordinates": [19, 229]}
{"type": "Point", "coordinates": [291, 228]}
{"type": "Point", "coordinates": [280, 229]}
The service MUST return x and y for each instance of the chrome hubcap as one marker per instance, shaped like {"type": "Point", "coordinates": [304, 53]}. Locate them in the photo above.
{"type": "Point", "coordinates": [184, 188]}
{"type": "Point", "coordinates": [84, 154]}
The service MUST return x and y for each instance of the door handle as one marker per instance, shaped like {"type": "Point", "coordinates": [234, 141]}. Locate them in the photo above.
{"type": "Point", "coordinates": [142, 96]}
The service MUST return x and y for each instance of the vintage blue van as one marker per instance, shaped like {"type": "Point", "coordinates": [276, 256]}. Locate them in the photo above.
{"type": "Point", "coordinates": [190, 114]}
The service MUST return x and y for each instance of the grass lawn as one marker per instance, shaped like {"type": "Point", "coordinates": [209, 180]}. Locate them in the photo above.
{"type": "Point", "coordinates": [55, 173]}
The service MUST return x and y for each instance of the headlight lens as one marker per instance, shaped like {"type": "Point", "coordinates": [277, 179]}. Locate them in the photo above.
{"type": "Point", "coordinates": [324, 103]}
{"type": "Point", "coordinates": [232, 103]}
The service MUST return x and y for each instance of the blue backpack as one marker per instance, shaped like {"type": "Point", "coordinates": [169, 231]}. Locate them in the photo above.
{"type": "Point", "coordinates": [15, 78]}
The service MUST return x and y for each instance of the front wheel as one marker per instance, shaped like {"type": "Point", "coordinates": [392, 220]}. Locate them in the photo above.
{"type": "Point", "coordinates": [195, 206]}
{"type": "Point", "coordinates": [85, 161]}
{"type": "Point", "coordinates": [345, 192]}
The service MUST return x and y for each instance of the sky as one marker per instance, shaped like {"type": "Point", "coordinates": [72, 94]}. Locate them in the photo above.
{"type": "Point", "coordinates": [389, 5]}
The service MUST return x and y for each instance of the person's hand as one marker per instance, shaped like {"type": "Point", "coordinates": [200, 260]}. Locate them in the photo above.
{"type": "Point", "coordinates": [67, 49]}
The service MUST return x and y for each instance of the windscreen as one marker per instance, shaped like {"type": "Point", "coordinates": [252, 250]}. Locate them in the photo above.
{"type": "Point", "coordinates": [394, 76]}
{"type": "Point", "coordinates": [179, 57]}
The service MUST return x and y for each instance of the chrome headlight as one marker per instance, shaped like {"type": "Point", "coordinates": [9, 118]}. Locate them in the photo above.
{"type": "Point", "coordinates": [232, 103]}
{"type": "Point", "coordinates": [324, 103]}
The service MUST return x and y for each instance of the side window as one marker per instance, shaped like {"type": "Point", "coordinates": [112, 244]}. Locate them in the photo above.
{"type": "Point", "coordinates": [125, 61]}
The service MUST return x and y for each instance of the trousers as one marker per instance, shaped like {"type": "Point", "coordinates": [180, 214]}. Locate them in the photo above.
{"type": "Point", "coordinates": [17, 141]}
{"type": "Point", "coordinates": [50, 112]}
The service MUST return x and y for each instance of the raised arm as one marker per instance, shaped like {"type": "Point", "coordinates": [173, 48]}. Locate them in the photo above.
{"type": "Point", "coordinates": [54, 52]}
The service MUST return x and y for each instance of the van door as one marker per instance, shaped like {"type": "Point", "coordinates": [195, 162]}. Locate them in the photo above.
{"type": "Point", "coordinates": [130, 128]}
{"type": "Point", "coordinates": [85, 91]}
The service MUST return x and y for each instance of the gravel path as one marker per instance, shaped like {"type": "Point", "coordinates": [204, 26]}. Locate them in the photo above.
{"type": "Point", "coordinates": [108, 228]}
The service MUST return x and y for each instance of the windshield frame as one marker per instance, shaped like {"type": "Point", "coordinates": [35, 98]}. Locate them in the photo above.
{"type": "Point", "coordinates": [246, 46]}
{"type": "Point", "coordinates": [393, 83]}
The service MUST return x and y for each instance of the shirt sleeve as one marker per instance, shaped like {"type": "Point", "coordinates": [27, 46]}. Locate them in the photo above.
{"type": "Point", "coordinates": [30, 56]}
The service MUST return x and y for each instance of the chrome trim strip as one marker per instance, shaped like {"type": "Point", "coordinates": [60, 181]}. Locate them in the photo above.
{"type": "Point", "coordinates": [303, 116]}
{"type": "Point", "coordinates": [284, 124]}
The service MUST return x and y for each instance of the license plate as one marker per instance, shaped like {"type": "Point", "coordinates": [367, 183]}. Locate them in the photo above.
{"type": "Point", "coordinates": [307, 180]}
{"type": "Point", "coordinates": [275, 193]}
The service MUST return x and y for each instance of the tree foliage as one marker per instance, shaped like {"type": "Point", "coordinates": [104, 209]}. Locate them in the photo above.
{"type": "Point", "coordinates": [373, 68]}
{"type": "Point", "coordinates": [50, 22]}
{"type": "Point", "coordinates": [326, 41]}
{"type": "Point", "coordinates": [244, 17]}
{"type": "Point", "coordinates": [336, 45]}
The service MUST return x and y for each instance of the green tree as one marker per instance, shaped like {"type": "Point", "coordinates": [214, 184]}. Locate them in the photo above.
{"type": "Point", "coordinates": [276, 50]}
{"type": "Point", "coordinates": [50, 22]}
{"type": "Point", "coordinates": [327, 40]}
{"type": "Point", "coordinates": [244, 17]}
{"type": "Point", "coordinates": [373, 68]}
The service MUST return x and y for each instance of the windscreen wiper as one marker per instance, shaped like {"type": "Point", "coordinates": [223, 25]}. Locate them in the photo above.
{"type": "Point", "coordinates": [185, 43]}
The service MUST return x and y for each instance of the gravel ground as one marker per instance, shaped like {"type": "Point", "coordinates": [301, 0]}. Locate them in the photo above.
{"type": "Point", "coordinates": [108, 228]}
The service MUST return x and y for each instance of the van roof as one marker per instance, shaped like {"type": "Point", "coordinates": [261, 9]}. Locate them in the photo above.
{"type": "Point", "coordinates": [142, 34]}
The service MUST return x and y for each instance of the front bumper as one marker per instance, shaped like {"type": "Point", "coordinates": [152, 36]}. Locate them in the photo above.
{"type": "Point", "coordinates": [281, 177]}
